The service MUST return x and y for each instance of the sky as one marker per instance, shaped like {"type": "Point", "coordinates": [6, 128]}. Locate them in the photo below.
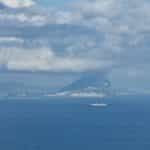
{"type": "Point", "coordinates": [53, 3]}
{"type": "Point", "coordinates": [78, 36]}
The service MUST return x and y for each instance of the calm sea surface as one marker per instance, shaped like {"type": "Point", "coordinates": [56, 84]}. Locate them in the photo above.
{"type": "Point", "coordinates": [70, 124]}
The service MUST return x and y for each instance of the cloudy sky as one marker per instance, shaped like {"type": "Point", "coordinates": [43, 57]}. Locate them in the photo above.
{"type": "Point", "coordinates": [77, 36]}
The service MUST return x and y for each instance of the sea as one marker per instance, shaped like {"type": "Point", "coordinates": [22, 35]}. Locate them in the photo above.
{"type": "Point", "coordinates": [65, 123]}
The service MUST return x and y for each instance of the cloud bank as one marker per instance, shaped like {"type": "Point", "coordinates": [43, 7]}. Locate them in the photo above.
{"type": "Point", "coordinates": [45, 60]}
{"type": "Point", "coordinates": [90, 35]}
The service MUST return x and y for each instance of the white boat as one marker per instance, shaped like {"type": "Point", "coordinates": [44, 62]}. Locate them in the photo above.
{"type": "Point", "coordinates": [98, 105]}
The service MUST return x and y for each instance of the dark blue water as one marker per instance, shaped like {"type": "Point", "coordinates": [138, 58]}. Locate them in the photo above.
{"type": "Point", "coordinates": [70, 124]}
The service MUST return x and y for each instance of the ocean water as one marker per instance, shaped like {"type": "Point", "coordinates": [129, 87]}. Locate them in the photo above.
{"type": "Point", "coordinates": [70, 124]}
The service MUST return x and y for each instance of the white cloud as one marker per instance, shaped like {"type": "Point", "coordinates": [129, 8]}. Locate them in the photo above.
{"type": "Point", "coordinates": [98, 7]}
{"type": "Point", "coordinates": [121, 23]}
{"type": "Point", "coordinates": [17, 3]}
{"type": "Point", "coordinates": [45, 60]}
{"type": "Point", "coordinates": [11, 39]}
{"type": "Point", "coordinates": [24, 19]}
